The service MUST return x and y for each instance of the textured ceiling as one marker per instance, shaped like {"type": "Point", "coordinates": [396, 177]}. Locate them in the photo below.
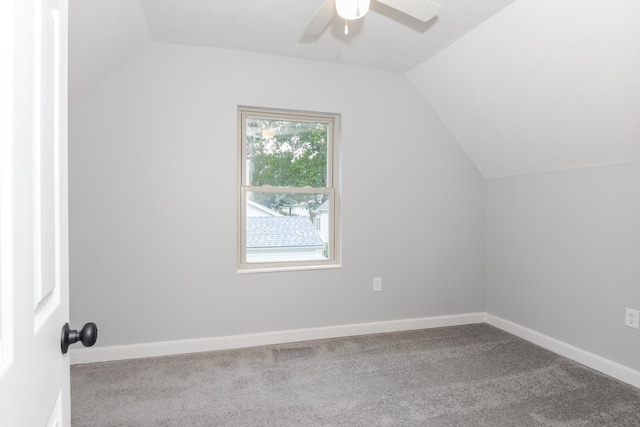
{"type": "Point", "coordinates": [105, 34]}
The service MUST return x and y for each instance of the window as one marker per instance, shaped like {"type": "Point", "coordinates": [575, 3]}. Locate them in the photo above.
{"type": "Point", "coordinates": [288, 190]}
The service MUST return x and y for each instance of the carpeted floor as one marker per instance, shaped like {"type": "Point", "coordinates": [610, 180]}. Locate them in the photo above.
{"type": "Point", "coordinates": [473, 375]}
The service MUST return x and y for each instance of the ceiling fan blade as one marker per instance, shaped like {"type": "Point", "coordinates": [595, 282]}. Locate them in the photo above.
{"type": "Point", "coordinates": [419, 9]}
{"type": "Point", "coordinates": [320, 19]}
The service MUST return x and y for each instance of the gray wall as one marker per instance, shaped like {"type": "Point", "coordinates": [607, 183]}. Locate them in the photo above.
{"type": "Point", "coordinates": [563, 256]}
{"type": "Point", "coordinates": [153, 201]}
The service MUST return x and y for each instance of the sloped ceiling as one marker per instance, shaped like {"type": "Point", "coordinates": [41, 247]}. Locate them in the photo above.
{"type": "Point", "coordinates": [105, 34]}
{"type": "Point", "coordinates": [544, 85]}
{"type": "Point", "coordinates": [525, 86]}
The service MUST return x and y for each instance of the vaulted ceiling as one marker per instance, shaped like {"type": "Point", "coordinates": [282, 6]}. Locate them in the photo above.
{"type": "Point", "coordinates": [105, 34]}
{"type": "Point", "coordinates": [543, 86]}
{"type": "Point", "coordinates": [525, 86]}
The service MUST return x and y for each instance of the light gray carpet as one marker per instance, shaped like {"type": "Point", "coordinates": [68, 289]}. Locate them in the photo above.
{"type": "Point", "coordinates": [474, 375]}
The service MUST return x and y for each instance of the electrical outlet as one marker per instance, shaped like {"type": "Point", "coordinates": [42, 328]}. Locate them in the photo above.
{"type": "Point", "coordinates": [632, 318]}
{"type": "Point", "coordinates": [377, 284]}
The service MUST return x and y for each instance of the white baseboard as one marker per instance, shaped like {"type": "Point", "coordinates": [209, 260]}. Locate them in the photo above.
{"type": "Point", "coordinates": [166, 348]}
{"type": "Point", "coordinates": [593, 361]}
{"type": "Point", "coordinates": [135, 351]}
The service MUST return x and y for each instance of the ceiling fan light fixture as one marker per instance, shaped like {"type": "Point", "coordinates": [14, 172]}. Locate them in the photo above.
{"type": "Point", "coordinates": [268, 133]}
{"type": "Point", "coordinates": [352, 9]}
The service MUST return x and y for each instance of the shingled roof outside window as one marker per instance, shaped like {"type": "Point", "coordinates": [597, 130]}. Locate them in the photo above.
{"type": "Point", "coordinates": [282, 232]}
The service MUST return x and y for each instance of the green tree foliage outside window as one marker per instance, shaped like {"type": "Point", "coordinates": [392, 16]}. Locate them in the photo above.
{"type": "Point", "coordinates": [284, 153]}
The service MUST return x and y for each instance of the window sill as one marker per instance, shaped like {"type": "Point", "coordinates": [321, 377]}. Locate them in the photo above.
{"type": "Point", "coordinates": [262, 269]}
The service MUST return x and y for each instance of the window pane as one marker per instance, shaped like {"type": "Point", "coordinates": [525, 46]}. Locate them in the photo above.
{"type": "Point", "coordinates": [286, 153]}
{"type": "Point", "coordinates": [287, 227]}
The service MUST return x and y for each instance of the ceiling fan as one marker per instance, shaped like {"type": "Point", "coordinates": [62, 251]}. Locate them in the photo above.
{"type": "Point", "coordinates": [422, 10]}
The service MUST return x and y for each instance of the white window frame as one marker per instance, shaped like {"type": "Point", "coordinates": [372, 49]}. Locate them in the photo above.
{"type": "Point", "coordinates": [332, 188]}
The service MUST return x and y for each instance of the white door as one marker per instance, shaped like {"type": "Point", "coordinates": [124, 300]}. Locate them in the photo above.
{"type": "Point", "coordinates": [34, 375]}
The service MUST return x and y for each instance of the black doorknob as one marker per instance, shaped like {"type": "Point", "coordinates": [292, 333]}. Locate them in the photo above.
{"type": "Point", "coordinates": [87, 336]}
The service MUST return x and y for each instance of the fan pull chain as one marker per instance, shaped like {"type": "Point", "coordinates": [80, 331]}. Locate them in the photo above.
{"type": "Point", "coordinates": [346, 27]}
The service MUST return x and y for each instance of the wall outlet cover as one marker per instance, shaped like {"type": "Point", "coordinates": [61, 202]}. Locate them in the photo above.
{"type": "Point", "coordinates": [632, 318]}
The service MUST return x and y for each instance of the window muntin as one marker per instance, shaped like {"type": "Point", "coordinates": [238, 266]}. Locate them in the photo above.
{"type": "Point", "coordinates": [288, 195]}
